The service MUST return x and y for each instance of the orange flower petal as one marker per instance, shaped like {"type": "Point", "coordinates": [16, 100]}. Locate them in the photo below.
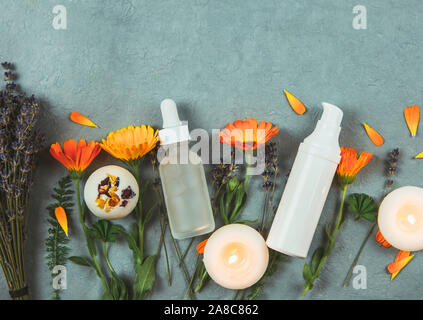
{"type": "Point", "coordinates": [412, 117]}
{"type": "Point", "coordinates": [401, 260]}
{"type": "Point", "coordinates": [61, 218]}
{"type": "Point", "coordinates": [376, 138]}
{"type": "Point", "coordinates": [381, 239]}
{"type": "Point", "coordinates": [419, 156]}
{"type": "Point", "coordinates": [295, 103]}
{"type": "Point", "coordinates": [82, 120]}
{"type": "Point", "coordinates": [201, 246]}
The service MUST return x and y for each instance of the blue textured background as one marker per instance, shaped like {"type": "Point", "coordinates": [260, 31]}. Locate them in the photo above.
{"type": "Point", "coordinates": [220, 61]}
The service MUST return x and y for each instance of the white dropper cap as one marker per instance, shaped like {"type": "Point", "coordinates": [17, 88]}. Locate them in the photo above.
{"type": "Point", "coordinates": [169, 114]}
{"type": "Point", "coordinates": [174, 130]}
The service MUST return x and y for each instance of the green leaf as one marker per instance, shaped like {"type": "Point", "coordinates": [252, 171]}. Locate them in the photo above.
{"type": "Point", "coordinates": [150, 212]}
{"type": "Point", "coordinates": [223, 212]}
{"type": "Point", "coordinates": [203, 278]}
{"type": "Point", "coordinates": [117, 289]}
{"type": "Point", "coordinates": [82, 261]}
{"type": "Point", "coordinates": [307, 273]}
{"type": "Point", "coordinates": [91, 244]}
{"type": "Point", "coordinates": [133, 245]}
{"type": "Point", "coordinates": [232, 184]}
{"type": "Point", "coordinates": [146, 276]}
{"type": "Point", "coordinates": [363, 206]}
{"type": "Point", "coordinates": [105, 231]}
{"type": "Point", "coordinates": [317, 256]}
{"type": "Point", "coordinates": [246, 221]}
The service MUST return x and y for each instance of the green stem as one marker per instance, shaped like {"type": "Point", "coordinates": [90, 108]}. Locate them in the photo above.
{"type": "Point", "coordinates": [331, 242]}
{"type": "Point", "coordinates": [186, 250]}
{"type": "Point", "coordinates": [85, 230]}
{"type": "Point", "coordinates": [106, 257]}
{"type": "Point", "coordinates": [264, 212]}
{"type": "Point", "coordinates": [350, 271]}
{"type": "Point", "coordinates": [193, 276]}
{"type": "Point", "coordinates": [163, 230]}
{"type": "Point", "coordinates": [247, 175]}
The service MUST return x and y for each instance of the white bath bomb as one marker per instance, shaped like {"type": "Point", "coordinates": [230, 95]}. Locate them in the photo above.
{"type": "Point", "coordinates": [111, 192]}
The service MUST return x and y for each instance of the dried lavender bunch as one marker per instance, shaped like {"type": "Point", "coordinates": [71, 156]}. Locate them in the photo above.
{"type": "Point", "coordinates": [269, 175]}
{"type": "Point", "coordinates": [19, 145]}
{"type": "Point", "coordinates": [391, 169]}
{"type": "Point", "coordinates": [221, 173]}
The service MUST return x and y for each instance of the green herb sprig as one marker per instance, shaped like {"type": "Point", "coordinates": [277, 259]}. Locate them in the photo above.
{"type": "Point", "coordinates": [391, 169]}
{"type": "Point", "coordinates": [56, 242]}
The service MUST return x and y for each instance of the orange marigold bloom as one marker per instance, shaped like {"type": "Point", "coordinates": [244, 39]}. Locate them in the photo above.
{"type": "Point", "coordinates": [247, 134]}
{"type": "Point", "coordinates": [75, 157]}
{"type": "Point", "coordinates": [349, 165]}
{"type": "Point", "coordinates": [201, 246]}
{"type": "Point", "coordinates": [130, 143]}
{"type": "Point", "coordinates": [381, 239]}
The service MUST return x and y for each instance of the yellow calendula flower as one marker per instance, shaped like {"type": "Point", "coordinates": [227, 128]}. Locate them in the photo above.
{"type": "Point", "coordinates": [132, 143]}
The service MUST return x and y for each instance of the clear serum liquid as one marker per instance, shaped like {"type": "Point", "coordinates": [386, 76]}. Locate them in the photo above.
{"type": "Point", "coordinates": [187, 197]}
{"type": "Point", "coordinates": [183, 179]}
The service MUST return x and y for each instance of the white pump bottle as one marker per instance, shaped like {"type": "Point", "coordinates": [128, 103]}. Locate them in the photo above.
{"type": "Point", "coordinates": [183, 180]}
{"type": "Point", "coordinates": [307, 186]}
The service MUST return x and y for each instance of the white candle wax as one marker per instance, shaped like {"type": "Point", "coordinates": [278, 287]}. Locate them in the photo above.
{"type": "Point", "coordinates": [236, 256]}
{"type": "Point", "coordinates": [401, 218]}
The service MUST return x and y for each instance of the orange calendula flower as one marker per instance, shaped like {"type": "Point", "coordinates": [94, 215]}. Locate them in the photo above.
{"type": "Point", "coordinates": [201, 246]}
{"type": "Point", "coordinates": [60, 214]}
{"type": "Point", "coordinates": [130, 143]}
{"type": "Point", "coordinates": [401, 260]}
{"type": "Point", "coordinates": [381, 239]}
{"type": "Point", "coordinates": [247, 134]}
{"type": "Point", "coordinates": [82, 120]}
{"type": "Point", "coordinates": [376, 138]}
{"type": "Point", "coordinates": [412, 117]}
{"type": "Point", "coordinates": [349, 165]}
{"type": "Point", "coordinates": [295, 103]}
{"type": "Point", "coordinates": [75, 157]}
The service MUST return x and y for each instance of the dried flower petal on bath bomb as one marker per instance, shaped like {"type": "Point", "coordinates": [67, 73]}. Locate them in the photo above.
{"type": "Point", "coordinates": [376, 138]}
{"type": "Point", "coordinates": [401, 260]}
{"type": "Point", "coordinates": [295, 103]}
{"type": "Point", "coordinates": [60, 214]}
{"type": "Point", "coordinates": [412, 117]}
{"type": "Point", "coordinates": [82, 120]}
{"type": "Point", "coordinates": [419, 156]}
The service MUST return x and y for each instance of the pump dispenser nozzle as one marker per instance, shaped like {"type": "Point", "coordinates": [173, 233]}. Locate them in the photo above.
{"type": "Point", "coordinates": [332, 115]}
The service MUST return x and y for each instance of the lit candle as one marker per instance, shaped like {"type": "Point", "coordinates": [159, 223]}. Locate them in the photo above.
{"type": "Point", "coordinates": [236, 256]}
{"type": "Point", "coordinates": [401, 218]}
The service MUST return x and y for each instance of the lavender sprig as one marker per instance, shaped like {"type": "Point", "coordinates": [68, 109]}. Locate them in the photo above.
{"type": "Point", "coordinates": [20, 144]}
